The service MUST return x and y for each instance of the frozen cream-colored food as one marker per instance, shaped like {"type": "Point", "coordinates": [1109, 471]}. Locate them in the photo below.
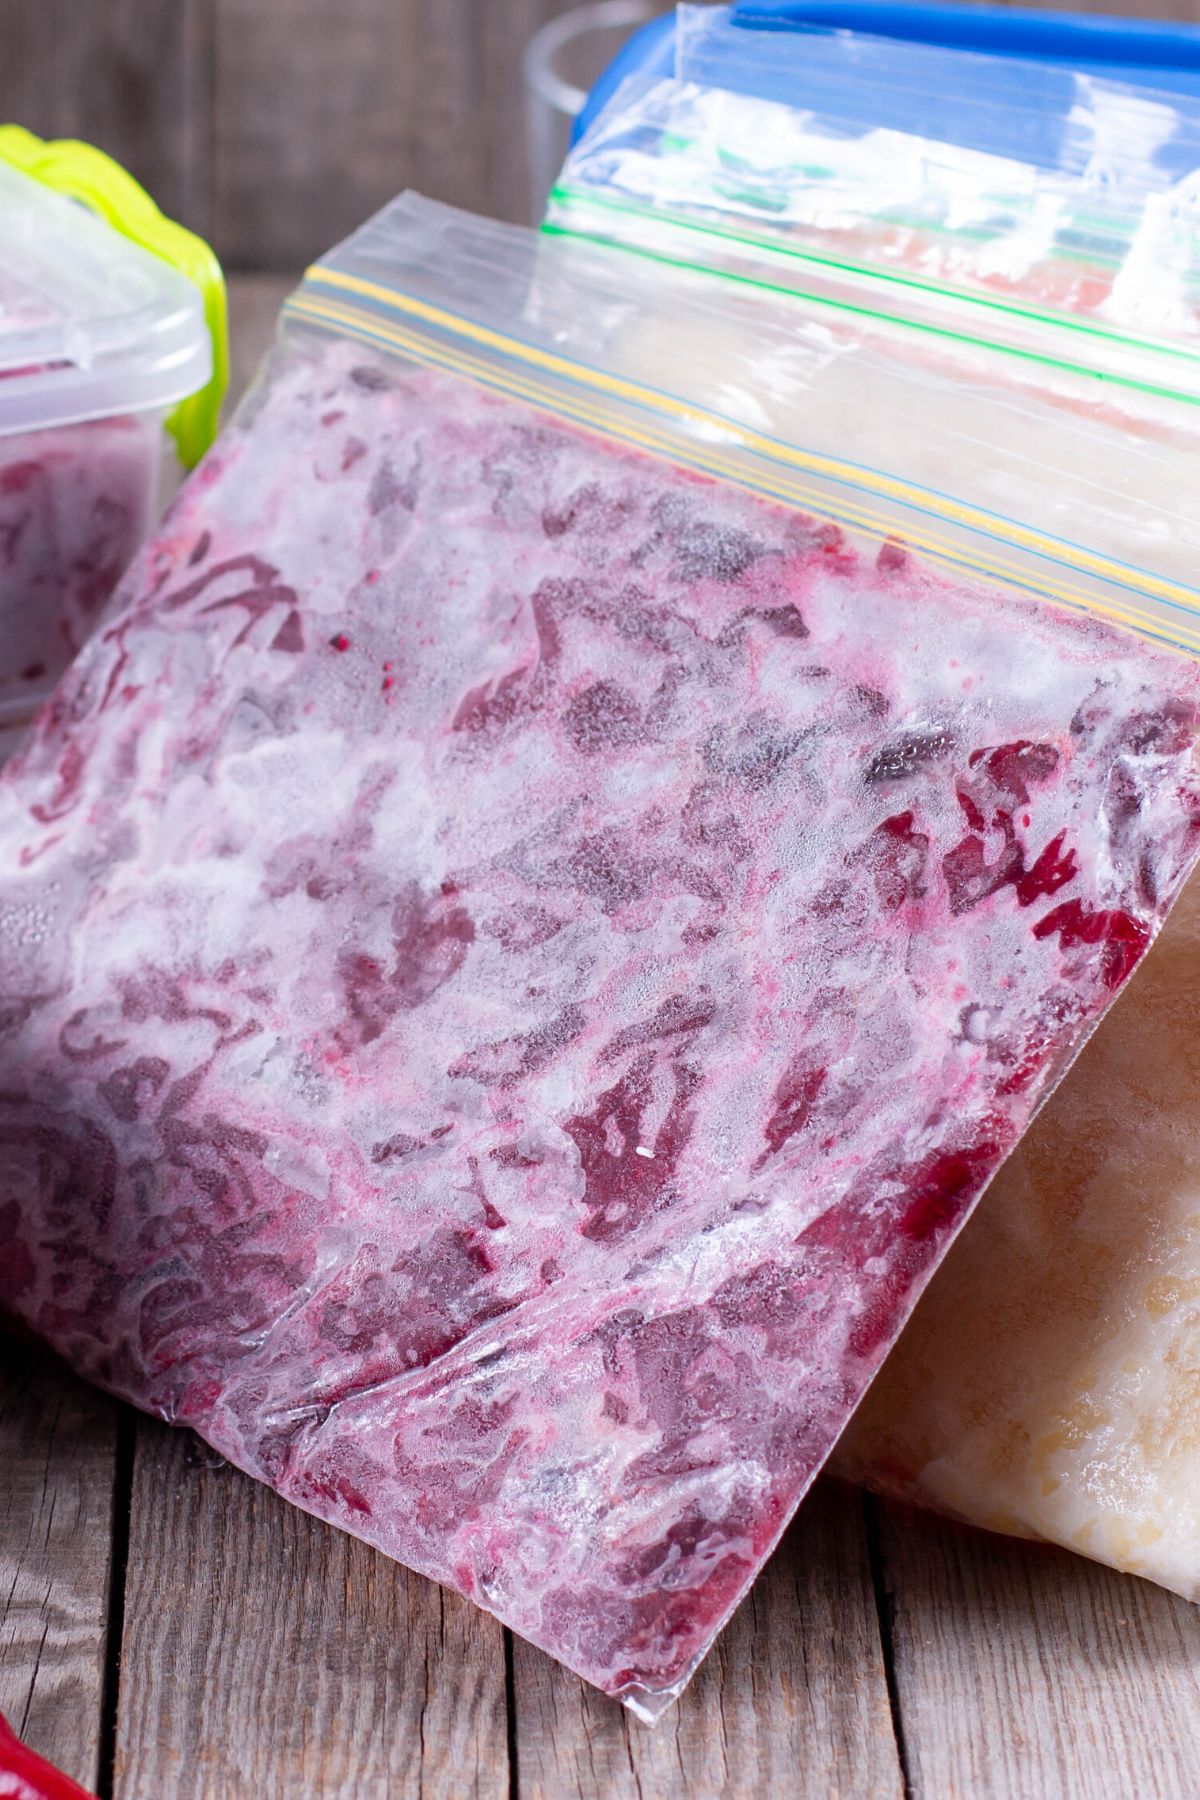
{"type": "Point", "coordinates": [1048, 1383]}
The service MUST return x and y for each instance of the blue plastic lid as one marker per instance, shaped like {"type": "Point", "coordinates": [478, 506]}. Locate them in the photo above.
{"type": "Point", "coordinates": [1157, 54]}
{"type": "Point", "coordinates": [1143, 52]}
{"type": "Point", "coordinates": [650, 51]}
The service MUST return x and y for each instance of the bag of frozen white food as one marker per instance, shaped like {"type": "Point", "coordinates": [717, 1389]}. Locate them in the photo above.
{"type": "Point", "coordinates": [529, 930]}
{"type": "Point", "coordinates": [1083, 1265]}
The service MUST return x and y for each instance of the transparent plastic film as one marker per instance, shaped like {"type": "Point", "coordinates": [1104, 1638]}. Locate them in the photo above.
{"type": "Point", "coordinates": [112, 333]}
{"type": "Point", "coordinates": [753, 383]}
{"type": "Point", "coordinates": [1044, 114]}
{"type": "Point", "coordinates": [531, 926]}
{"type": "Point", "coordinates": [1003, 204]}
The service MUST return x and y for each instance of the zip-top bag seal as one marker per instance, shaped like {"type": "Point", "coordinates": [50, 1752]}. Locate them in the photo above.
{"type": "Point", "coordinates": [964, 198]}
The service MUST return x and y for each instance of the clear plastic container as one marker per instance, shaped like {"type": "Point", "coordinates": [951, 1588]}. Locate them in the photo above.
{"type": "Point", "coordinates": [100, 339]}
{"type": "Point", "coordinates": [589, 834]}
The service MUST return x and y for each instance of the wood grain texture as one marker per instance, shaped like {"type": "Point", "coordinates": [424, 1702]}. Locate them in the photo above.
{"type": "Point", "coordinates": [469, 146]}
{"type": "Point", "coordinates": [321, 116]}
{"type": "Point", "coordinates": [1025, 1673]}
{"type": "Point", "coordinates": [133, 76]}
{"type": "Point", "coordinates": [254, 303]}
{"type": "Point", "coordinates": [266, 1656]}
{"type": "Point", "coordinates": [58, 1454]}
{"type": "Point", "coordinates": [315, 112]}
{"type": "Point", "coordinates": [792, 1701]}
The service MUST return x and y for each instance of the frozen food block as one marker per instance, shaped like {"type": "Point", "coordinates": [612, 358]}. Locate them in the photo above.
{"type": "Point", "coordinates": [75, 503]}
{"type": "Point", "coordinates": [516, 960]}
{"type": "Point", "coordinates": [1083, 1266]}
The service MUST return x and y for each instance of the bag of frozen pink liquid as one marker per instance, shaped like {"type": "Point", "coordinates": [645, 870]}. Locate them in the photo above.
{"type": "Point", "coordinates": [99, 342]}
{"type": "Point", "coordinates": [557, 886]}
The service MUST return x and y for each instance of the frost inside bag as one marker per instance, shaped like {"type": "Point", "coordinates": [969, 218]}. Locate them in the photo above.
{"type": "Point", "coordinates": [538, 917]}
{"type": "Point", "coordinates": [975, 199]}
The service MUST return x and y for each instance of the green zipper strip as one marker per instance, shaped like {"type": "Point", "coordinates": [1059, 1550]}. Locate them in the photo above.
{"type": "Point", "coordinates": [1081, 222]}
{"type": "Point", "coordinates": [568, 196]}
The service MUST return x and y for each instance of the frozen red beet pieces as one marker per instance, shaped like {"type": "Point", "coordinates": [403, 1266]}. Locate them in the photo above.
{"type": "Point", "coordinates": [516, 960]}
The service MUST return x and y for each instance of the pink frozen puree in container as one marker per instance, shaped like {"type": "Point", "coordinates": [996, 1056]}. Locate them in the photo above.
{"type": "Point", "coordinates": [97, 340]}
{"type": "Point", "coordinates": [76, 501]}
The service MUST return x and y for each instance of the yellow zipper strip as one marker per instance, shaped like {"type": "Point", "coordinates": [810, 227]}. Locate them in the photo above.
{"type": "Point", "coordinates": [833, 467]}
{"type": "Point", "coordinates": [667, 447]}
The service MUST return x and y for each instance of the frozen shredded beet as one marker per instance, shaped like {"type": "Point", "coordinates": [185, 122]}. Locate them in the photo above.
{"type": "Point", "coordinates": [516, 960]}
{"type": "Point", "coordinates": [76, 501]}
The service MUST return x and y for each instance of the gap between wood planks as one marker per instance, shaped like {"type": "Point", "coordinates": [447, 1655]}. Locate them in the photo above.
{"type": "Point", "coordinates": [262, 1654]}
{"type": "Point", "coordinates": [885, 1613]}
{"type": "Point", "coordinates": [122, 1503]}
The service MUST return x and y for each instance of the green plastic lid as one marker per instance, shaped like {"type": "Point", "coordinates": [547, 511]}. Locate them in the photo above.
{"type": "Point", "coordinates": [94, 324]}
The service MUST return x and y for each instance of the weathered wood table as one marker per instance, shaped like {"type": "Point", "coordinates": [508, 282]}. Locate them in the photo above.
{"type": "Point", "coordinates": [169, 1630]}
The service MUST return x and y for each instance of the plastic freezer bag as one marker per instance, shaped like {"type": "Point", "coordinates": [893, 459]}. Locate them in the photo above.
{"type": "Point", "coordinates": [518, 955]}
{"type": "Point", "coordinates": [963, 197]}
{"type": "Point", "coordinates": [1083, 1261]}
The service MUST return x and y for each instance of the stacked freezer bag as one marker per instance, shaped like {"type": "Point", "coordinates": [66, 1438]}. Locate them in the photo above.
{"type": "Point", "coordinates": [100, 343]}
{"type": "Point", "coordinates": [565, 873]}
{"type": "Point", "coordinates": [1039, 237]}
{"type": "Point", "coordinates": [1068, 281]}
{"type": "Point", "coordinates": [1048, 214]}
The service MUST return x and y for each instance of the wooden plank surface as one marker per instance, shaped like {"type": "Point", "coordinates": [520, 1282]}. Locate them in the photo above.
{"type": "Point", "coordinates": [314, 117]}
{"type": "Point", "coordinates": [1025, 1673]}
{"type": "Point", "coordinates": [266, 1656]}
{"type": "Point", "coordinates": [133, 76]}
{"type": "Point", "coordinates": [58, 1452]}
{"type": "Point", "coordinates": [793, 1700]}
{"type": "Point", "coordinates": [317, 126]}
{"type": "Point", "coordinates": [276, 126]}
